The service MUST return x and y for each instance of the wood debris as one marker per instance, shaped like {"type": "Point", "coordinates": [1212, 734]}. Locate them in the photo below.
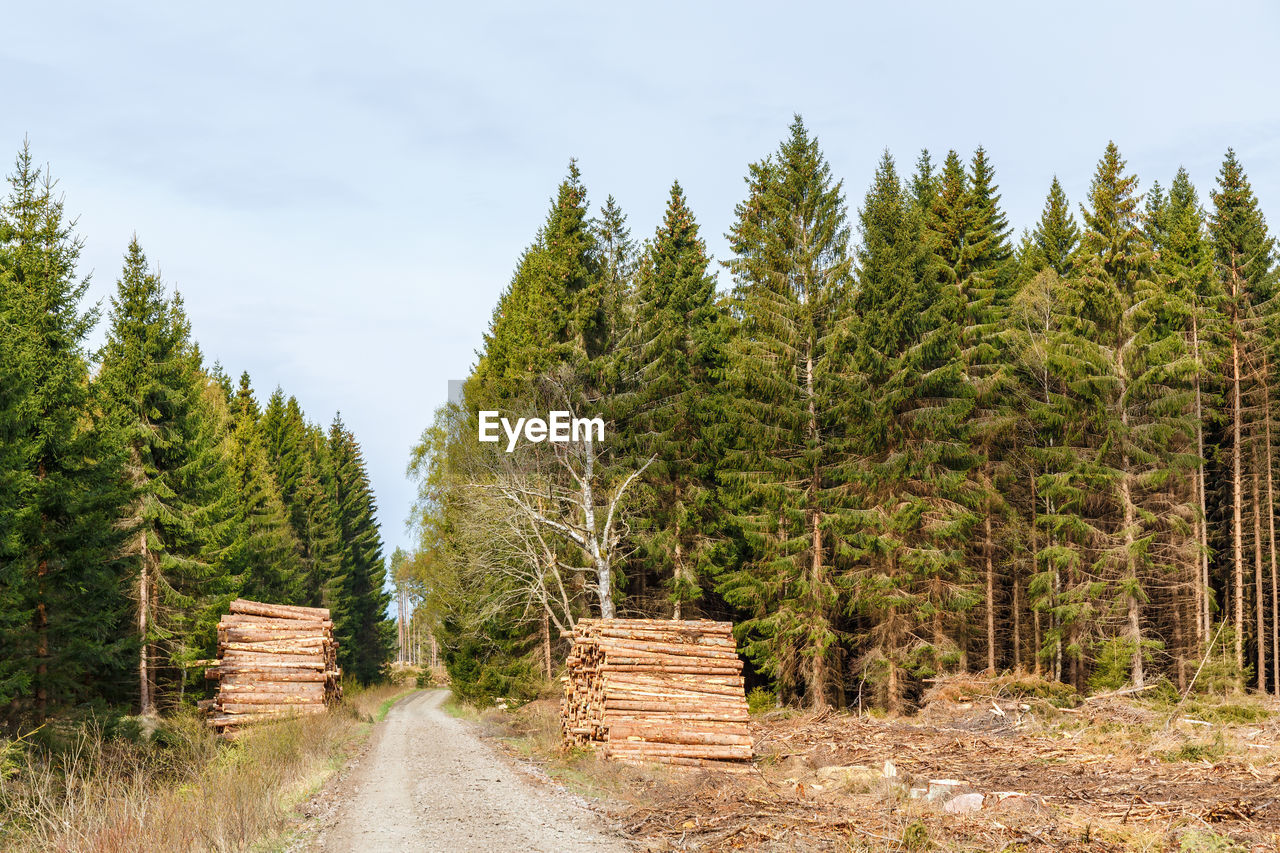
{"type": "Point", "coordinates": [653, 690]}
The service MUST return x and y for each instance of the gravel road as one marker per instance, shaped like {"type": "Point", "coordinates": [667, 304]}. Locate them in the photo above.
{"type": "Point", "coordinates": [427, 783]}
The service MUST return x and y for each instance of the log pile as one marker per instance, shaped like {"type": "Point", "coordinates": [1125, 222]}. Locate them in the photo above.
{"type": "Point", "coordinates": [653, 690]}
{"type": "Point", "coordinates": [274, 660]}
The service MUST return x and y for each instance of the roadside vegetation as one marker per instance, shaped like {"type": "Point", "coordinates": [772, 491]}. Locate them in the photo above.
{"type": "Point", "coordinates": [122, 786]}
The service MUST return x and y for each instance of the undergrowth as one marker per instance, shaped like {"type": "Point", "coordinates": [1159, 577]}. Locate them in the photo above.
{"type": "Point", "coordinates": [109, 788]}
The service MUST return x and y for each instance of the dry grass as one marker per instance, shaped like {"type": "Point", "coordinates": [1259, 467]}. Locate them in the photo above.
{"type": "Point", "coordinates": [1116, 774]}
{"type": "Point", "coordinates": [181, 790]}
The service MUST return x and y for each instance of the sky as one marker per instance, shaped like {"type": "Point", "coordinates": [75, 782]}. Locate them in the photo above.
{"type": "Point", "coordinates": [341, 191]}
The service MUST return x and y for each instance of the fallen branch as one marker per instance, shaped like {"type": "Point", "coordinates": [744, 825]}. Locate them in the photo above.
{"type": "Point", "coordinates": [1125, 692]}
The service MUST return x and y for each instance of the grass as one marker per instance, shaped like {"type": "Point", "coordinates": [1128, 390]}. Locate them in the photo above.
{"type": "Point", "coordinates": [388, 702]}
{"type": "Point", "coordinates": [90, 789]}
{"type": "Point", "coordinates": [460, 710]}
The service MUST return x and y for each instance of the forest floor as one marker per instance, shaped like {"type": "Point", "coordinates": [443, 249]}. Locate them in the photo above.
{"type": "Point", "coordinates": [1118, 773]}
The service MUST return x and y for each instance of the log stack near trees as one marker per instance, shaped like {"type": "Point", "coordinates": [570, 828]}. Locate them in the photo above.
{"type": "Point", "coordinates": [654, 690]}
{"type": "Point", "coordinates": [274, 660]}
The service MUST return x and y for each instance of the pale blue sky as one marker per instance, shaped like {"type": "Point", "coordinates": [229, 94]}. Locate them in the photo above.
{"type": "Point", "coordinates": [341, 192]}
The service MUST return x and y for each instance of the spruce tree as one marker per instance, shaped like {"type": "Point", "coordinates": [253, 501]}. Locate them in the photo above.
{"type": "Point", "coordinates": [1128, 366]}
{"type": "Point", "coordinates": [677, 350]}
{"type": "Point", "coordinates": [1056, 235]}
{"type": "Point", "coordinates": [912, 457]}
{"type": "Point", "coordinates": [792, 272]}
{"type": "Point", "coordinates": [298, 453]}
{"type": "Point", "coordinates": [1245, 258]}
{"type": "Point", "coordinates": [1185, 257]}
{"type": "Point", "coordinates": [971, 234]}
{"type": "Point", "coordinates": [17, 448]}
{"type": "Point", "coordinates": [356, 596]}
{"type": "Point", "coordinates": [1038, 315]}
{"type": "Point", "coordinates": [266, 553]}
{"type": "Point", "coordinates": [925, 183]}
{"type": "Point", "coordinates": [60, 579]}
{"type": "Point", "coordinates": [151, 388]}
{"type": "Point", "coordinates": [554, 310]}
{"type": "Point", "coordinates": [616, 263]}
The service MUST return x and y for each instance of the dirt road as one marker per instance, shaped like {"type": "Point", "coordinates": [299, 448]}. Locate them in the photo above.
{"type": "Point", "coordinates": [427, 783]}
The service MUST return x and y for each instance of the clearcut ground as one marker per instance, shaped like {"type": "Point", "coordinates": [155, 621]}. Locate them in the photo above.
{"type": "Point", "coordinates": [428, 783]}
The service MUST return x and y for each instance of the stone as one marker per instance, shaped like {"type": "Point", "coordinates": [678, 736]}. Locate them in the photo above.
{"type": "Point", "coordinates": [856, 776]}
{"type": "Point", "coordinates": [963, 804]}
{"type": "Point", "coordinates": [941, 790]}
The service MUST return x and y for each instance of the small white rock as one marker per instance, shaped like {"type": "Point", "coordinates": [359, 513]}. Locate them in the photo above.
{"type": "Point", "coordinates": [963, 804]}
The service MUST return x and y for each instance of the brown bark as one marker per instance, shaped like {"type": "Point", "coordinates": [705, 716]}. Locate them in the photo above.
{"type": "Point", "coordinates": [679, 577]}
{"type": "Point", "coordinates": [1203, 619]}
{"type": "Point", "coordinates": [1134, 627]}
{"type": "Point", "coordinates": [1271, 533]}
{"type": "Point", "coordinates": [1035, 565]}
{"type": "Point", "coordinates": [146, 701]}
{"type": "Point", "coordinates": [279, 611]}
{"type": "Point", "coordinates": [1259, 615]}
{"type": "Point", "coordinates": [1237, 488]}
{"type": "Point", "coordinates": [991, 592]}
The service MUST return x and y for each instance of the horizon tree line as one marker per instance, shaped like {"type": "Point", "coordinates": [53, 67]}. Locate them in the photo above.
{"type": "Point", "coordinates": [904, 443]}
{"type": "Point", "coordinates": [141, 489]}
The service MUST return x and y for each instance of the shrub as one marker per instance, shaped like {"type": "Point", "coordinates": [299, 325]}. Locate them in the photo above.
{"type": "Point", "coordinates": [761, 699]}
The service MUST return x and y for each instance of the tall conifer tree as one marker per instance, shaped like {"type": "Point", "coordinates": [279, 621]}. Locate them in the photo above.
{"type": "Point", "coordinates": [792, 272]}
{"type": "Point", "coordinates": [1245, 258]}
{"type": "Point", "coordinates": [266, 552]}
{"type": "Point", "coordinates": [912, 458]}
{"type": "Point", "coordinates": [1056, 235]}
{"type": "Point", "coordinates": [151, 387]}
{"type": "Point", "coordinates": [64, 634]}
{"type": "Point", "coordinates": [357, 598]}
{"type": "Point", "coordinates": [1129, 368]}
{"type": "Point", "coordinates": [677, 349]}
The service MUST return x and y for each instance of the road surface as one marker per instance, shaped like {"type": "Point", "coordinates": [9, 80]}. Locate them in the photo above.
{"type": "Point", "coordinates": [428, 783]}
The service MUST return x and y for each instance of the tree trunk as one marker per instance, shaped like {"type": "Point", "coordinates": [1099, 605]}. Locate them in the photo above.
{"type": "Point", "coordinates": [679, 576]}
{"type": "Point", "coordinates": [546, 642]}
{"type": "Point", "coordinates": [819, 681]}
{"type": "Point", "coordinates": [1035, 565]}
{"type": "Point", "coordinates": [1179, 640]}
{"type": "Point", "coordinates": [991, 592]}
{"type": "Point", "coordinates": [1237, 497]}
{"type": "Point", "coordinates": [1134, 628]}
{"type": "Point", "coordinates": [1271, 532]}
{"type": "Point", "coordinates": [41, 626]}
{"type": "Point", "coordinates": [1017, 620]}
{"type": "Point", "coordinates": [1203, 619]}
{"type": "Point", "coordinates": [1134, 606]}
{"type": "Point", "coordinates": [402, 641]}
{"type": "Point", "coordinates": [1259, 613]}
{"type": "Point", "coordinates": [146, 701]}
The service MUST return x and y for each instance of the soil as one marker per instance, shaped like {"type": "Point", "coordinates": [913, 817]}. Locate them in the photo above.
{"type": "Point", "coordinates": [427, 782]}
{"type": "Point", "coordinates": [1104, 776]}
{"type": "Point", "coordinates": [1108, 776]}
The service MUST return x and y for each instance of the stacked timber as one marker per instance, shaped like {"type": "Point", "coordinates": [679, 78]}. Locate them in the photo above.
{"type": "Point", "coordinates": [274, 660]}
{"type": "Point", "coordinates": [653, 690]}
